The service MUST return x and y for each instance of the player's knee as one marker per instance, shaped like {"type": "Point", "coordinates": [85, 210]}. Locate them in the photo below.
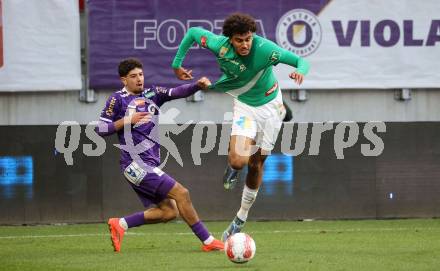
{"type": "Point", "coordinates": [183, 194]}
{"type": "Point", "coordinates": [236, 162]}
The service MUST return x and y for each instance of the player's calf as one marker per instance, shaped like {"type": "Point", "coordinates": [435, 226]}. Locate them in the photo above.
{"type": "Point", "coordinates": [288, 116]}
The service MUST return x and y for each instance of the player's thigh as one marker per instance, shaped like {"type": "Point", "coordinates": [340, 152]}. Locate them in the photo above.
{"type": "Point", "coordinates": [269, 129]}
{"type": "Point", "coordinates": [241, 148]}
{"type": "Point", "coordinates": [244, 128]}
{"type": "Point", "coordinates": [178, 192]}
{"type": "Point", "coordinates": [269, 136]}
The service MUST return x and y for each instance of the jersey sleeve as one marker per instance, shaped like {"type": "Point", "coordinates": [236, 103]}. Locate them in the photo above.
{"type": "Point", "coordinates": [275, 54]}
{"type": "Point", "coordinates": [111, 109]}
{"type": "Point", "coordinates": [163, 94]}
{"type": "Point", "coordinates": [108, 116]}
{"type": "Point", "coordinates": [202, 37]}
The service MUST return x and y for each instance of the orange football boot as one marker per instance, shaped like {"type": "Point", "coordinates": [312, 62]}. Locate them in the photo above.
{"type": "Point", "coordinates": [214, 245]}
{"type": "Point", "coordinates": [116, 233]}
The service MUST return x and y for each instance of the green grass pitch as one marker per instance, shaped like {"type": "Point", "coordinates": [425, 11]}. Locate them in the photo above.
{"type": "Point", "coordinates": [411, 244]}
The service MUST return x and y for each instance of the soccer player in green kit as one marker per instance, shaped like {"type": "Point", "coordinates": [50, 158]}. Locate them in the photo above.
{"type": "Point", "coordinates": [246, 61]}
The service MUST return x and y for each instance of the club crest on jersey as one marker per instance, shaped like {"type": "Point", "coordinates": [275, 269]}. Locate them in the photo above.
{"type": "Point", "coordinates": [203, 41]}
{"type": "Point", "coordinates": [223, 51]}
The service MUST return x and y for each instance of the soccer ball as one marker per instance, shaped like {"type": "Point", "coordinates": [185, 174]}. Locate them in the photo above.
{"type": "Point", "coordinates": [240, 248]}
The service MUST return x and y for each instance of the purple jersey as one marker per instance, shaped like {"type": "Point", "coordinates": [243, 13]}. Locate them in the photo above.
{"type": "Point", "coordinates": [122, 103]}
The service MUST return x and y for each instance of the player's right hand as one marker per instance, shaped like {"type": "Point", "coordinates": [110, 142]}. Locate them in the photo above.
{"type": "Point", "coordinates": [140, 118]}
{"type": "Point", "coordinates": [183, 74]}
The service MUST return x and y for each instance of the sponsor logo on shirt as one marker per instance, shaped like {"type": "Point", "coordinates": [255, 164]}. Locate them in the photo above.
{"type": "Point", "coordinates": [149, 94]}
{"type": "Point", "coordinates": [162, 90]}
{"type": "Point", "coordinates": [274, 56]}
{"type": "Point", "coordinates": [139, 102]}
{"type": "Point", "coordinates": [271, 90]}
{"type": "Point", "coordinates": [139, 105]}
{"type": "Point", "coordinates": [203, 41]}
{"type": "Point", "coordinates": [152, 109]}
{"type": "Point", "coordinates": [232, 61]}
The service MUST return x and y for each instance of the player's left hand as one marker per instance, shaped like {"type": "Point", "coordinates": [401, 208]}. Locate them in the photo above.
{"type": "Point", "coordinates": [297, 77]}
{"type": "Point", "coordinates": [203, 83]}
{"type": "Point", "coordinates": [183, 74]}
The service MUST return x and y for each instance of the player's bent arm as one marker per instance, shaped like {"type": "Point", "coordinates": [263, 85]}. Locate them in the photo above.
{"type": "Point", "coordinates": [105, 128]}
{"type": "Point", "coordinates": [199, 35]}
{"type": "Point", "coordinates": [276, 55]}
{"type": "Point", "coordinates": [108, 128]}
{"type": "Point", "coordinates": [291, 59]}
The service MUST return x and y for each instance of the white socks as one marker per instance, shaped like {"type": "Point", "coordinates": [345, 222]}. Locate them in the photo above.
{"type": "Point", "coordinates": [123, 224]}
{"type": "Point", "coordinates": [209, 240]}
{"type": "Point", "coordinates": [247, 199]}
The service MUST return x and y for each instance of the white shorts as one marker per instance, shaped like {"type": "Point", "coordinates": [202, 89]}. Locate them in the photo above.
{"type": "Point", "coordinates": [260, 123]}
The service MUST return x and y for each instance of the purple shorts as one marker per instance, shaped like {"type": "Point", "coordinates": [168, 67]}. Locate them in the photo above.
{"type": "Point", "coordinates": [153, 188]}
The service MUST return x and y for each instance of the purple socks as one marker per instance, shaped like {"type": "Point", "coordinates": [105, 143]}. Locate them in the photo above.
{"type": "Point", "coordinates": [135, 220]}
{"type": "Point", "coordinates": [200, 231]}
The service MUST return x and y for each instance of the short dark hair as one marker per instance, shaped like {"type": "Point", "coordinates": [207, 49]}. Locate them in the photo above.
{"type": "Point", "coordinates": [239, 23]}
{"type": "Point", "coordinates": [126, 65]}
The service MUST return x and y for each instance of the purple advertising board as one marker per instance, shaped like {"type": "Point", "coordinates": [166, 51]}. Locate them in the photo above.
{"type": "Point", "coordinates": [151, 31]}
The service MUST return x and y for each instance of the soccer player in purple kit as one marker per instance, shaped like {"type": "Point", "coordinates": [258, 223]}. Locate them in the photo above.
{"type": "Point", "coordinates": [163, 197]}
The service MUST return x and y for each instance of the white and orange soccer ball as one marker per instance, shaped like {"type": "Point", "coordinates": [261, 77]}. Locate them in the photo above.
{"type": "Point", "coordinates": [240, 248]}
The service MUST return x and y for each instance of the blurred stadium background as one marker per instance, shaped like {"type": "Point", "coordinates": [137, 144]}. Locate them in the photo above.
{"type": "Point", "coordinates": [370, 61]}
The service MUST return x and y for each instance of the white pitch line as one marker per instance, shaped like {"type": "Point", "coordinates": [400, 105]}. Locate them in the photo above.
{"type": "Point", "coordinates": [250, 232]}
{"type": "Point", "coordinates": [48, 236]}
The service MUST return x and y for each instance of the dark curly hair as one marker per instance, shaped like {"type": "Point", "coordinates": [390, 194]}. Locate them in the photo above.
{"type": "Point", "coordinates": [126, 65]}
{"type": "Point", "coordinates": [238, 23]}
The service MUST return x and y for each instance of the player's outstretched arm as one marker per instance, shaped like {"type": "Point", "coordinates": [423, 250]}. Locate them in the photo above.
{"type": "Point", "coordinates": [186, 90]}
{"type": "Point", "coordinates": [202, 37]}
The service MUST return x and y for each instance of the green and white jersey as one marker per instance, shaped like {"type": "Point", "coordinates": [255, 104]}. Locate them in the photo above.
{"type": "Point", "coordinates": [249, 78]}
